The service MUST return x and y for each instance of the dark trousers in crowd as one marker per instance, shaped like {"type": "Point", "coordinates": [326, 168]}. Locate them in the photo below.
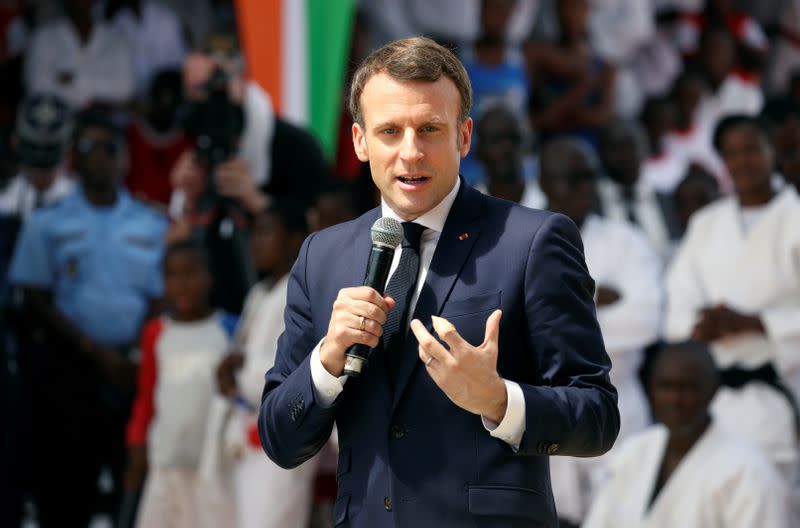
{"type": "Point", "coordinates": [77, 427]}
{"type": "Point", "coordinates": [13, 425]}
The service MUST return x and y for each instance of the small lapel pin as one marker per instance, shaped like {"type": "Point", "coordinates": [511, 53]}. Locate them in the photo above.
{"type": "Point", "coordinates": [463, 236]}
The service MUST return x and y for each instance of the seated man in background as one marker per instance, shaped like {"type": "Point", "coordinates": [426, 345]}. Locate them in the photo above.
{"type": "Point", "coordinates": [734, 284]}
{"type": "Point", "coordinates": [623, 192]}
{"type": "Point", "coordinates": [501, 150]}
{"type": "Point", "coordinates": [629, 294]}
{"type": "Point", "coordinates": [689, 471]}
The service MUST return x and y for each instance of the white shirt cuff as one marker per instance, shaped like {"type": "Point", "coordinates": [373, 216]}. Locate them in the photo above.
{"type": "Point", "coordinates": [511, 429]}
{"type": "Point", "coordinates": [327, 387]}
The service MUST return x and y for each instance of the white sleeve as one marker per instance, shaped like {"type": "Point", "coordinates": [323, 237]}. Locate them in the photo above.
{"type": "Point", "coordinates": [781, 320]}
{"type": "Point", "coordinates": [685, 293]}
{"type": "Point", "coordinates": [756, 496]}
{"type": "Point", "coordinates": [173, 46]}
{"type": "Point", "coordinates": [41, 68]}
{"type": "Point", "coordinates": [783, 331]}
{"type": "Point", "coordinates": [634, 321]}
{"type": "Point", "coordinates": [619, 30]}
{"type": "Point", "coordinates": [327, 387]}
{"type": "Point", "coordinates": [512, 427]}
{"type": "Point", "coordinates": [601, 511]}
{"type": "Point", "coordinates": [113, 77]}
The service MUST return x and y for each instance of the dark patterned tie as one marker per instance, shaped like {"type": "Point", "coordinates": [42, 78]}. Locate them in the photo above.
{"type": "Point", "coordinates": [401, 289]}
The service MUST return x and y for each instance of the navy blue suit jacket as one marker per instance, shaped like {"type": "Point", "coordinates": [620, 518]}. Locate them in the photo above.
{"type": "Point", "coordinates": [408, 456]}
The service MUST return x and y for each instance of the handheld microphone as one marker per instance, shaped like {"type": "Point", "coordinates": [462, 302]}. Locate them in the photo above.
{"type": "Point", "coordinates": [386, 233]}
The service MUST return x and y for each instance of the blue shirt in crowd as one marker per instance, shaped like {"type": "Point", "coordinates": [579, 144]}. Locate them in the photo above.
{"type": "Point", "coordinates": [505, 83]}
{"type": "Point", "coordinates": [102, 264]}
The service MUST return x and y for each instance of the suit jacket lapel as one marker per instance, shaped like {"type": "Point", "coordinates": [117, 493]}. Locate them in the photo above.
{"type": "Point", "coordinates": [461, 230]}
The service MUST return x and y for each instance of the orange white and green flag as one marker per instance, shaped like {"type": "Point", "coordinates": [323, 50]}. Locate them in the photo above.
{"type": "Point", "coordinates": [297, 51]}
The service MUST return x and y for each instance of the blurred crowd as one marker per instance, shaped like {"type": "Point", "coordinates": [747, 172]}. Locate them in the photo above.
{"type": "Point", "coordinates": [152, 203]}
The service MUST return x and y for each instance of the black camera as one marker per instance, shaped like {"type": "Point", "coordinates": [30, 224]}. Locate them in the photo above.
{"type": "Point", "coordinates": [215, 123]}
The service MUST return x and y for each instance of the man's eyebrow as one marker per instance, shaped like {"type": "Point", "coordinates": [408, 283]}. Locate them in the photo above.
{"type": "Point", "coordinates": [385, 124]}
{"type": "Point", "coordinates": [391, 124]}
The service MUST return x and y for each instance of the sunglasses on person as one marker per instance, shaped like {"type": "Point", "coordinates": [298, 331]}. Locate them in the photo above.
{"type": "Point", "coordinates": [87, 145]}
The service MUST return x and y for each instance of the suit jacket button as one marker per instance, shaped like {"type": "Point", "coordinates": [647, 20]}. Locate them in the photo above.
{"type": "Point", "coordinates": [552, 449]}
{"type": "Point", "coordinates": [387, 503]}
{"type": "Point", "coordinates": [398, 432]}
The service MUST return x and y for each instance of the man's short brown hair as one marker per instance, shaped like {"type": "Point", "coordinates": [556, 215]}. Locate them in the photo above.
{"type": "Point", "coordinates": [411, 59]}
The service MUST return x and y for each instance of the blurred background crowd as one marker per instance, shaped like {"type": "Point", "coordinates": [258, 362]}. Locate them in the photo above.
{"type": "Point", "coordinates": [155, 189]}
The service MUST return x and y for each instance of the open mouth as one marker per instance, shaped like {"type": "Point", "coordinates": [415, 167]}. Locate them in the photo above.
{"type": "Point", "coordinates": [413, 180]}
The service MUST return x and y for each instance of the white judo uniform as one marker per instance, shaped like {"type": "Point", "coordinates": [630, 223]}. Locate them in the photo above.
{"type": "Point", "coordinates": [266, 495]}
{"type": "Point", "coordinates": [750, 261]}
{"type": "Point", "coordinates": [720, 483]}
{"type": "Point", "coordinates": [618, 256]}
{"type": "Point", "coordinates": [646, 210]}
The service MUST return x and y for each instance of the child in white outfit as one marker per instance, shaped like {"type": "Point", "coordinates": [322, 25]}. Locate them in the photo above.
{"type": "Point", "coordinates": [167, 427]}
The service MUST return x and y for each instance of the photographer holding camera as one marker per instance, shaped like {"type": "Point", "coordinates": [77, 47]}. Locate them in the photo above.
{"type": "Point", "coordinates": [243, 156]}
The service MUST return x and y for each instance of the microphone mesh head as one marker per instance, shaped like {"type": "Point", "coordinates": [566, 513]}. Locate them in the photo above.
{"type": "Point", "coordinates": [387, 231]}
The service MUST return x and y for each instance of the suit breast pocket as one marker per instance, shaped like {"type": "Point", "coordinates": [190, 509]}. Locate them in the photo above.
{"type": "Point", "coordinates": [469, 315]}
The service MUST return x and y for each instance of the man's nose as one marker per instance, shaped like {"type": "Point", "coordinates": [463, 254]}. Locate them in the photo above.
{"type": "Point", "coordinates": [410, 148]}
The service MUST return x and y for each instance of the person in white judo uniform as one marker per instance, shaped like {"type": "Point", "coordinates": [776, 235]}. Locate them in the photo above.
{"type": "Point", "coordinates": [627, 273]}
{"type": "Point", "coordinates": [265, 495]}
{"type": "Point", "coordinates": [734, 283]}
{"type": "Point", "coordinates": [689, 471]}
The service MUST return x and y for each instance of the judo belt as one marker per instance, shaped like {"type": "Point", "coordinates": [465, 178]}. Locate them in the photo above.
{"type": "Point", "coordinates": [737, 377]}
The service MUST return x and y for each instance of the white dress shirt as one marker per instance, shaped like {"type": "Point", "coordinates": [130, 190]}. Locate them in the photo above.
{"type": "Point", "coordinates": [646, 210]}
{"type": "Point", "coordinates": [453, 20]}
{"type": "Point", "coordinates": [20, 197]}
{"type": "Point", "coordinates": [328, 387]}
{"type": "Point", "coordinates": [101, 69]}
{"type": "Point", "coordinates": [156, 38]}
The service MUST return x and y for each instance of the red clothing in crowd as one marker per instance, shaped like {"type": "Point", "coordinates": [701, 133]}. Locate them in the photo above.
{"type": "Point", "coordinates": [152, 156]}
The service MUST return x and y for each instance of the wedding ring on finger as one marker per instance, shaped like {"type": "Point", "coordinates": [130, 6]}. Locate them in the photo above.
{"type": "Point", "coordinates": [428, 361]}
{"type": "Point", "coordinates": [362, 324]}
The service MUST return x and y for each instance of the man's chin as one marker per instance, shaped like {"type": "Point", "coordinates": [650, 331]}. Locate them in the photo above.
{"type": "Point", "coordinates": [409, 210]}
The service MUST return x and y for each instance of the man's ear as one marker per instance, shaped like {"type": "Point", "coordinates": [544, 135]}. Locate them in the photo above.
{"type": "Point", "coordinates": [465, 137]}
{"type": "Point", "coordinates": [360, 143]}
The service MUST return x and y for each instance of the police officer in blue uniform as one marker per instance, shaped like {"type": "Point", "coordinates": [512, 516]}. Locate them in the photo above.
{"type": "Point", "coordinates": [89, 269]}
{"type": "Point", "coordinates": [40, 139]}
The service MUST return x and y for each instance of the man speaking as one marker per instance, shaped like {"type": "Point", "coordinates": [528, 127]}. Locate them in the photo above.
{"type": "Point", "coordinates": [487, 354]}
